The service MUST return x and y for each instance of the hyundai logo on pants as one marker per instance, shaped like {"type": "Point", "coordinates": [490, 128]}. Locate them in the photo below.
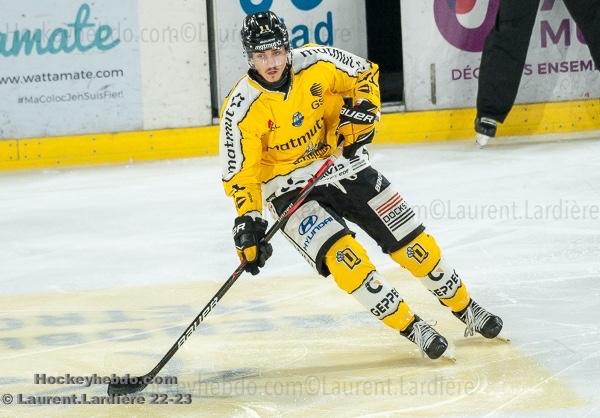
{"type": "Point", "coordinates": [307, 224]}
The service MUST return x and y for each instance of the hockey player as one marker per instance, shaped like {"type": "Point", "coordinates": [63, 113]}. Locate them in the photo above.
{"type": "Point", "coordinates": [504, 53]}
{"type": "Point", "coordinates": [277, 125]}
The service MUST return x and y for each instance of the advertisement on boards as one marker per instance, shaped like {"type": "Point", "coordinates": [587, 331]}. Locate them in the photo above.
{"type": "Point", "coordinates": [442, 44]}
{"type": "Point", "coordinates": [69, 67]}
{"type": "Point", "coordinates": [339, 23]}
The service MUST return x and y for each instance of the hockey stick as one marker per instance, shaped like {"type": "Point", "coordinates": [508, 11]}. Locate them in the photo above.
{"type": "Point", "coordinates": [129, 385]}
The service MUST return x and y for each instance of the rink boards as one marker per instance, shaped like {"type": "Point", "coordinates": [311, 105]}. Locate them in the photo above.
{"type": "Point", "coordinates": [394, 128]}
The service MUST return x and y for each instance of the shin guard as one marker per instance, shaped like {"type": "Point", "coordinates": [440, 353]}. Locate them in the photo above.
{"type": "Point", "coordinates": [354, 273]}
{"type": "Point", "coordinates": [423, 258]}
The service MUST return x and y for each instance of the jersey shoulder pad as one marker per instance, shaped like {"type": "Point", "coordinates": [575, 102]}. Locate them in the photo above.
{"type": "Point", "coordinates": [241, 97]}
{"type": "Point", "coordinates": [310, 54]}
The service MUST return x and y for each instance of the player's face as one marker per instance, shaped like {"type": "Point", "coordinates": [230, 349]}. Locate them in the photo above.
{"type": "Point", "coordinates": [270, 64]}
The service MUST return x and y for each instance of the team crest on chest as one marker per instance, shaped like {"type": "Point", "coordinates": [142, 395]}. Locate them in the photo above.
{"type": "Point", "coordinates": [297, 119]}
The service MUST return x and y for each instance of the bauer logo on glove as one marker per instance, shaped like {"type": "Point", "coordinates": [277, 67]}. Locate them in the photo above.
{"type": "Point", "coordinates": [357, 115]}
{"type": "Point", "coordinates": [357, 121]}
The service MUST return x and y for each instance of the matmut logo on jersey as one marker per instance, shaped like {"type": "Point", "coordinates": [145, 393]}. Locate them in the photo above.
{"type": "Point", "coordinates": [231, 142]}
{"type": "Point", "coordinates": [307, 137]}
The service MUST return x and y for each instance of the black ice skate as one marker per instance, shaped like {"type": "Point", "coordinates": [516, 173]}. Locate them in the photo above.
{"type": "Point", "coordinates": [479, 320]}
{"type": "Point", "coordinates": [428, 340]}
{"type": "Point", "coordinates": [486, 129]}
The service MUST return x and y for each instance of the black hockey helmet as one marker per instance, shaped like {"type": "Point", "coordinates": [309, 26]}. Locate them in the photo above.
{"type": "Point", "coordinates": [262, 31]}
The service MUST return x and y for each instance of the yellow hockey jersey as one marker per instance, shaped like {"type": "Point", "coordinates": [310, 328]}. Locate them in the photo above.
{"type": "Point", "coordinates": [270, 141]}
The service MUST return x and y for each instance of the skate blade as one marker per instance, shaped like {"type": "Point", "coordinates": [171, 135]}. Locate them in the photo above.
{"type": "Point", "coordinates": [450, 354]}
{"type": "Point", "coordinates": [482, 140]}
{"type": "Point", "coordinates": [502, 338]}
{"type": "Point", "coordinates": [451, 358]}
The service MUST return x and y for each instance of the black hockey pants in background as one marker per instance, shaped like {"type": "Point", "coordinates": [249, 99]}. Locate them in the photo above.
{"type": "Point", "coordinates": [505, 50]}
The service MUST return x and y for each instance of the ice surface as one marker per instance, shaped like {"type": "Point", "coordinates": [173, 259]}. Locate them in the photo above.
{"type": "Point", "coordinates": [89, 255]}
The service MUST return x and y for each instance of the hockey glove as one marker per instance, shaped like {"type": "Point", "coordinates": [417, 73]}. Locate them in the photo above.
{"type": "Point", "coordinates": [248, 234]}
{"type": "Point", "coordinates": [357, 125]}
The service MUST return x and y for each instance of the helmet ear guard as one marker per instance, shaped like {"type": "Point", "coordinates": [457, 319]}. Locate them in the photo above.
{"type": "Point", "coordinates": [263, 31]}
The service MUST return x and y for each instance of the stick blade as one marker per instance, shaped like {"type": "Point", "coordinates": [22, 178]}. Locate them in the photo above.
{"type": "Point", "coordinates": [124, 388]}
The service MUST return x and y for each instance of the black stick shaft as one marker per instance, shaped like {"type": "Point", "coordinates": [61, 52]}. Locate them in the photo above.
{"type": "Point", "coordinates": [236, 274]}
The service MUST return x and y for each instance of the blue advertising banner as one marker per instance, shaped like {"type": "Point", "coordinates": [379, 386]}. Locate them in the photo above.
{"type": "Point", "coordinates": [339, 23]}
